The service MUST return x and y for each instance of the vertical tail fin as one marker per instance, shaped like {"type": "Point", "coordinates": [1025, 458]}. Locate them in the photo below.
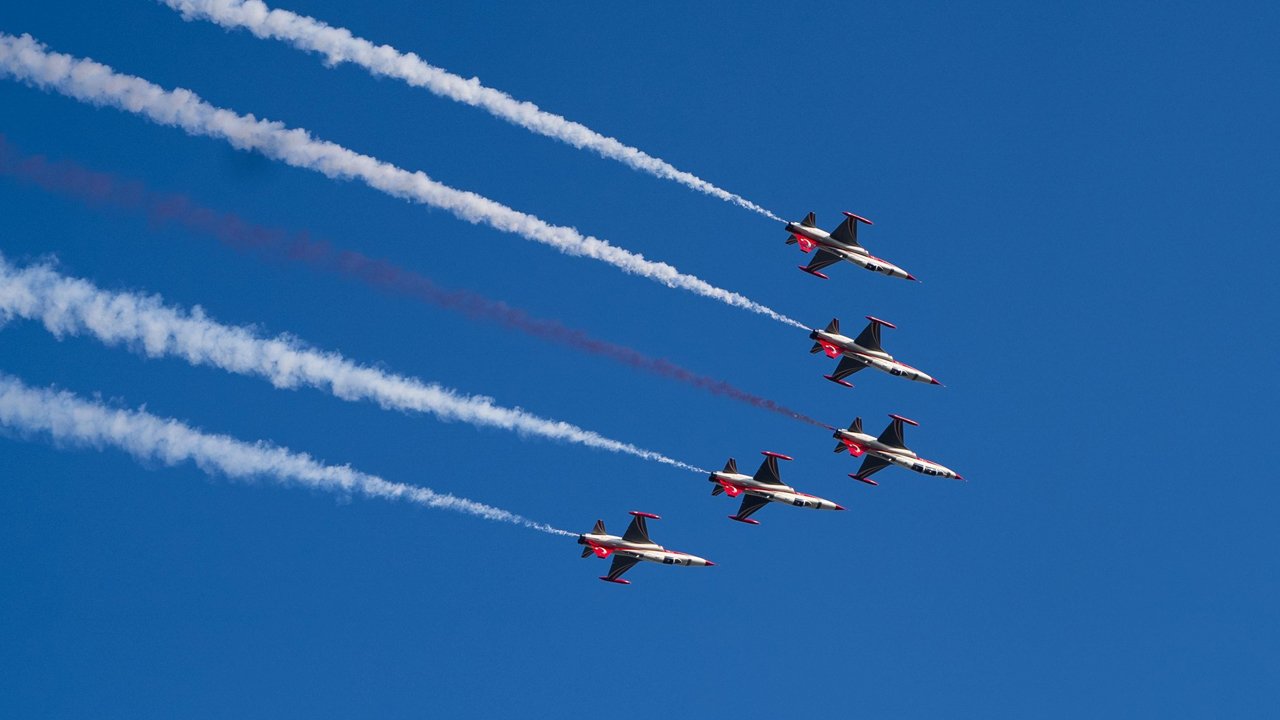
{"type": "Point", "coordinates": [834, 326]}
{"type": "Point", "coordinates": [731, 466]}
{"type": "Point", "coordinates": [598, 529]}
{"type": "Point", "coordinates": [856, 425]}
{"type": "Point", "coordinates": [810, 220]}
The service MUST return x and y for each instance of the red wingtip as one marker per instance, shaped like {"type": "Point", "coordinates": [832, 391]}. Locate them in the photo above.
{"type": "Point", "coordinates": [619, 581]}
{"type": "Point", "coordinates": [907, 420]}
{"type": "Point", "coordinates": [868, 481]}
{"type": "Point", "coordinates": [748, 521]}
{"type": "Point", "coordinates": [885, 323]}
{"type": "Point", "coordinates": [780, 456]}
{"type": "Point", "coordinates": [838, 381]}
{"type": "Point", "coordinates": [651, 516]}
{"type": "Point", "coordinates": [857, 217]}
{"type": "Point", "coordinates": [814, 273]}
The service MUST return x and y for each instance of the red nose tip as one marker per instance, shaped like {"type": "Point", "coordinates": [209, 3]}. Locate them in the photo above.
{"type": "Point", "coordinates": [709, 563]}
{"type": "Point", "coordinates": [959, 477]}
{"type": "Point", "coordinates": [839, 507]}
{"type": "Point", "coordinates": [912, 277]}
{"type": "Point", "coordinates": [934, 382]}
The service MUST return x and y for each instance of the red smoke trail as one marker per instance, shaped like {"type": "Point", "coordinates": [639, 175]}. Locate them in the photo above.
{"type": "Point", "coordinates": [105, 190]}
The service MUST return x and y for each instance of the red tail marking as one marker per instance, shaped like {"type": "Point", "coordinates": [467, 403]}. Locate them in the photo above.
{"type": "Point", "coordinates": [601, 552]}
{"type": "Point", "coordinates": [806, 245]}
{"type": "Point", "coordinates": [831, 350]}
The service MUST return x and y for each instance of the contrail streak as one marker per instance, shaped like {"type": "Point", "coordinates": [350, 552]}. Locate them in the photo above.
{"type": "Point", "coordinates": [70, 306]}
{"type": "Point", "coordinates": [162, 209]}
{"type": "Point", "coordinates": [28, 60]}
{"type": "Point", "coordinates": [65, 418]}
{"type": "Point", "coordinates": [338, 45]}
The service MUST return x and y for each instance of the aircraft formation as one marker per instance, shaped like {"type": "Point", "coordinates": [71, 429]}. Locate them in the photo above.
{"type": "Point", "coordinates": [23, 58]}
{"type": "Point", "coordinates": [766, 486]}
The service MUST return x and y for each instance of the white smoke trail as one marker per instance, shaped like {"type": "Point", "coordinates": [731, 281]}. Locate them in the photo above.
{"type": "Point", "coordinates": [28, 60]}
{"type": "Point", "coordinates": [338, 45]}
{"type": "Point", "coordinates": [71, 306]}
{"type": "Point", "coordinates": [68, 419]}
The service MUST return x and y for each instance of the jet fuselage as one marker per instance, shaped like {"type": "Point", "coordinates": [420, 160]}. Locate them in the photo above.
{"type": "Point", "coordinates": [735, 484]}
{"type": "Point", "coordinates": [810, 238]}
{"type": "Point", "coordinates": [835, 345]}
{"type": "Point", "coordinates": [605, 545]}
{"type": "Point", "coordinates": [860, 443]}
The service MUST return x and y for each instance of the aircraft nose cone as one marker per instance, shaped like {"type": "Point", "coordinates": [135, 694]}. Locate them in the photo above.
{"type": "Point", "coordinates": [934, 381]}
{"type": "Point", "coordinates": [709, 563]}
{"type": "Point", "coordinates": [839, 507]}
{"type": "Point", "coordinates": [959, 476]}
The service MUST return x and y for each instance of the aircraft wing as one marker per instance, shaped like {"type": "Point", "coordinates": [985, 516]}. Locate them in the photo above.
{"type": "Point", "coordinates": [620, 565]}
{"type": "Point", "coordinates": [750, 504]}
{"type": "Point", "coordinates": [846, 367]}
{"type": "Point", "coordinates": [822, 259]}
{"type": "Point", "coordinates": [638, 531]}
{"type": "Point", "coordinates": [892, 435]}
{"type": "Point", "coordinates": [847, 233]}
{"type": "Point", "coordinates": [870, 466]}
{"type": "Point", "coordinates": [768, 472]}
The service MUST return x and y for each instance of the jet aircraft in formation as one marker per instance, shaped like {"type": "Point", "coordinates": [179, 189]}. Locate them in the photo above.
{"type": "Point", "coordinates": [632, 547]}
{"type": "Point", "coordinates": [887, 449]}
{"type": "Point", "coordinates": [839, 244]}
{"type": "Point", "coordinates": [862, 352]}
{"type": "Point", "coordinates": [766, 486]}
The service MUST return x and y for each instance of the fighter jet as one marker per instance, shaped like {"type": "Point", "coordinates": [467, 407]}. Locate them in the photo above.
{"type": "Point", "coordinates": [863, 352]}
{"type": "Point", "coordinates": [632, 547]}
{"type": "Point", "coordinates": [886, 450]}
{"type": "Point", "coordinates": [840, 244]}
{"type": "Point", "coordinates": [764, 488]}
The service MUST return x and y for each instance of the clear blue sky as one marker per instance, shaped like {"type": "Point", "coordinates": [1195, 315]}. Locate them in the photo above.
{"type": "Point", "coordinates": [1089, 195]}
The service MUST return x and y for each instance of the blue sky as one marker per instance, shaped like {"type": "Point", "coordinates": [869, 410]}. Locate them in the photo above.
{"type": "Point", "coordinates": [1088, 195]}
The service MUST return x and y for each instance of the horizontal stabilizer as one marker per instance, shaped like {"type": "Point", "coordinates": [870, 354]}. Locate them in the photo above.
{"type": "Point", "coordinates": [839, 448]}
{"type": "Point", "coordinates": [586, 551]}
{"type": "Point", "coordinates": [717, 489]}
{"type": "Point", "coordinates": [817, 348]}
